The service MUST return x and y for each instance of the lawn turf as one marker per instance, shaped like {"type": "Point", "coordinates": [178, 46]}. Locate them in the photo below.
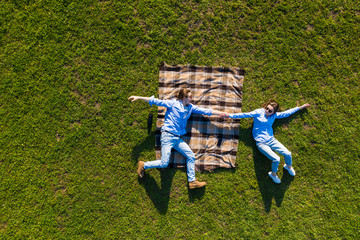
{"type": "Point", "coordinates": [70, 140]}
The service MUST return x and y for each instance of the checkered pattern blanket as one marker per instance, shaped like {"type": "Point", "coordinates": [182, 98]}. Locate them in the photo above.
{"type": "Point", "coordinates": [213, 140]}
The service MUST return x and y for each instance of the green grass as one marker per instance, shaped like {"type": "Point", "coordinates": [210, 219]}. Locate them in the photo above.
{"type": "Point", "coordinates": [70, 140]}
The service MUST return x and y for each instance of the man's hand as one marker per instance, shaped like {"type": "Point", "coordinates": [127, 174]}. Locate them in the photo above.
{"type": "Point", "coordinates": [224, 115]}
{"type": "Point", "coordinates": [133, 98]}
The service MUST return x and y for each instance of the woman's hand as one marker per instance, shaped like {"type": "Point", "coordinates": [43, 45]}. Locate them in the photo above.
{"type": "Point", "coordinates": [304, 106]}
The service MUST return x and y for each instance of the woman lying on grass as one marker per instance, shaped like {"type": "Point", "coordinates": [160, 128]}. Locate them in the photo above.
{"type": "Point", "coordinates": [264, 137]}
{"type": "Point", "coordinates": [177, 113]}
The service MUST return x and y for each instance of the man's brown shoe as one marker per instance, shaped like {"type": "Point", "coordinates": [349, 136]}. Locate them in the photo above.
{"type": "Point", "coordinates": [196, 184]}
{"type": "Point", "coordinates": [141, 169]}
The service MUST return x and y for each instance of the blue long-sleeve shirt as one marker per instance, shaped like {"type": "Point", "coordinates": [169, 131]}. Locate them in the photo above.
{"type": "Point", "coordinates": [177, 114]}
{"type": "Point", "coordinates": [262, 130]}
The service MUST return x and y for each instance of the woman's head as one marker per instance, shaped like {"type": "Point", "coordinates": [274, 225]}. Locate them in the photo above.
{"type": "Point", "coordinates": [271, 107]}
{"type": "Point", "coordinates": [184, 95]}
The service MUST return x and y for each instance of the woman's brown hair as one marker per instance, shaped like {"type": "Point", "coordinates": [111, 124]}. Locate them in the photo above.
{"type": "Point", "coordinates": [273, 103]}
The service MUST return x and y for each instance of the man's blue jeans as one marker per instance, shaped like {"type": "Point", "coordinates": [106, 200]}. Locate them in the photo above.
{"type": "Point", "coordinates": [267, 149]}
{"type": "Point", "coordinates": [169, 141]}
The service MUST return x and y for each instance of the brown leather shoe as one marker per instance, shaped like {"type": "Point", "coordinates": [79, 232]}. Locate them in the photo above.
{"type": "Point", "coordinates": [141, 169]}
{"type": "Point", "coordinates": [196, 184]}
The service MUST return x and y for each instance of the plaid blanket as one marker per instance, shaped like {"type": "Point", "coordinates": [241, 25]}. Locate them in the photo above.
{"type": "Point", "coordinates": [213, 140]}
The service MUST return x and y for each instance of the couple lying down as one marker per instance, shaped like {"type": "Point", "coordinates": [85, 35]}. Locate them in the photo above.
{"type": "Point", "coordinates": [179, 111]}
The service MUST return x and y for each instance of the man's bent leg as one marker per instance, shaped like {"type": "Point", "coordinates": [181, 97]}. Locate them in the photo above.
{"type": "Point", "coordinates": [167, 143]}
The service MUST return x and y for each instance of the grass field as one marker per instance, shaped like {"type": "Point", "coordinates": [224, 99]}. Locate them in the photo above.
{"type": "Point", "coordinates": [70, 140]}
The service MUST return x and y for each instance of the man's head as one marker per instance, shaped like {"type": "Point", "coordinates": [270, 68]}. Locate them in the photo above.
{"type": "Point", "coordinates": [184, 95]}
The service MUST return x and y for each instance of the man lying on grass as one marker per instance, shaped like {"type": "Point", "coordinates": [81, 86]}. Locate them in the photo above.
{"type": "Point", "coordinates": [177, 113]}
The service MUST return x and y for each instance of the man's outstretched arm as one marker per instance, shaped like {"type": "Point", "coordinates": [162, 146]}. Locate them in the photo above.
{"type": "Point", "coordinates": [134, 98]}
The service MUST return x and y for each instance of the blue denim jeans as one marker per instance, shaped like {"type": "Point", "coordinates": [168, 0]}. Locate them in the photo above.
{"type": "Point", "coordinates": [267, 149]}
{"type": "Point", "coordinates": [169, 141]}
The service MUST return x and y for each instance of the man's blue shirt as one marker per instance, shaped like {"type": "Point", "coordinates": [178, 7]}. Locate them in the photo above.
{"type": "Point", "coordinates": [177, 114]}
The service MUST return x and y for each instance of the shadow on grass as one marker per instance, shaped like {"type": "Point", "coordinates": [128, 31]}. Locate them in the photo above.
{"type": "Point", "coordinates": [262, 165]}
{"type": "Point", "coordinates": [160, 196]}
{"type": "Point", "coordinates": [147, 145]}
{"type": "Point", "coordinates": [268, 189]}
{"type": "Point", "coordinates": [196, 193]}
